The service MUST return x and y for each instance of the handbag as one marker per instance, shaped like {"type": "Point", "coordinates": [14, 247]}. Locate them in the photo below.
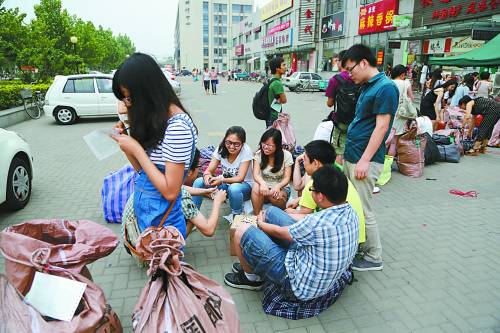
{"type": "Point", "coordinates": [449, 153]}
{"type": "Point", "coordinates": [406, 109]}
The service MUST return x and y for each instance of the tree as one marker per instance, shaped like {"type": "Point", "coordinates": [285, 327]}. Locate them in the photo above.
{"type": "Point", "coordinates": [13, 36]}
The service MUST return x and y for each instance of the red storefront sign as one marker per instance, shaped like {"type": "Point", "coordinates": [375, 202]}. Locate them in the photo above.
{"type": "Point", "coordinates": [377, 17]}
{"type": "Point", "coordinates": [279, 27]}
{"type": "Point", "coordinates": [239, 50]}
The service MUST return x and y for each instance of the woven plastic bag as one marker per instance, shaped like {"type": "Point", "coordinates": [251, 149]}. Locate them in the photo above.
{"type": "Point", "coordinates": [71, 245]}
{"type": "Point", "coordinates": [117, 187]}
{"type": "Point", "coordinates": [411, 153]}
{"type": "Point", "coordinates": [177, 298]}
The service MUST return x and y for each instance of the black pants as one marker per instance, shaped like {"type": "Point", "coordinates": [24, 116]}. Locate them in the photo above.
{"type": "Point", "coordinates": [214, 86]}
{"type": "Point", "coordinates": [206, 84]}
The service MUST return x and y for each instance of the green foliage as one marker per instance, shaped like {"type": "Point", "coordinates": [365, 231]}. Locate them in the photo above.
{"type": "Point", "coordinates": [10, 92]}
{"type": "Point", "coordinates": [45, 43]}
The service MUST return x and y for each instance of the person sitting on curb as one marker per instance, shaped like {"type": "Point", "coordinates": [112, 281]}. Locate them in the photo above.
{"type": "Point", "coordinates": [317, 154]}
{"type": "Point", "coordinates": [304, 258]}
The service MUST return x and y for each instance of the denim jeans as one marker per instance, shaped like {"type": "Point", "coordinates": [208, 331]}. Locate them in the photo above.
{"type": "Point", "coordinates": [150, 206]}
{"type": "Point", "coordinates": [266, 255]}
{"type": "Point", "coordinates": [237, 193]}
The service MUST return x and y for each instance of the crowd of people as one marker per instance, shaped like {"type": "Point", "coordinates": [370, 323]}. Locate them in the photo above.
{"type": "Point", "coordinates": [302, 245]}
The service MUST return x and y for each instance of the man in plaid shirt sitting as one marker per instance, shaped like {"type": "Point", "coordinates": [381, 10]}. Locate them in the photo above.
{"type": "Point", "coordinates": [306, 257]}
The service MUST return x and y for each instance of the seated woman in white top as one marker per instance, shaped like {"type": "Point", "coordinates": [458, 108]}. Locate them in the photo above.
{"type": "Point", "coordinates": [234, 156]}
{"type": "Point", "coordinates": [272, 169]}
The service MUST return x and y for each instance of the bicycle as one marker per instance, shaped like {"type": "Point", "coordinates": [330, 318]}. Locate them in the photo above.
{"type": "Point", "coordinates": [33, 105]}
{"type": "Point", "coordinates": [304, 86]}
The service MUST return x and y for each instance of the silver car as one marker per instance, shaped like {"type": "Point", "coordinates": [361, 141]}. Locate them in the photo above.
{"type": "Point", "coordinates": [301, 77]}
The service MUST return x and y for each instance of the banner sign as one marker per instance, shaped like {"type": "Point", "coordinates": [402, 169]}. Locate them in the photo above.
{"type": "Point", "coordinates": [274, 7]}
{"type": "Point", "coordinates": [279, 27]}
{"type": "Point", "coordinates": [307, 20]}
{"type": "Point", "coordinates": [280, 39]}
{"type": "Point", "coordinates": [332, 25]}
{"type": "Point", "coordinates": [239, 50]}
{"type": "Point", "coordinates": [377, 17]}
{"type": "Point", "coordinates": [401, 21]}
{"type": "Point", "coordinates": [465, 44]}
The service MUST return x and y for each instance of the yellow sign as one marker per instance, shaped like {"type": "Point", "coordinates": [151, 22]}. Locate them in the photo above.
{"type": "Point", "coordinates": [273, 7]}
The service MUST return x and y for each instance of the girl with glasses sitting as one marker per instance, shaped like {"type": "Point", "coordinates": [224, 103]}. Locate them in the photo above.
{"type": "Point", "coordinates": [272, 169]}
{"type": "Point", "coordinates": [234, 157]}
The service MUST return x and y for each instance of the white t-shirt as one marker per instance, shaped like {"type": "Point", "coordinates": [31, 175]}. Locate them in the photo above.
{"type": "Point", "coordinates": [177, 143]}
{"type": "Point", "coordinates": [423, 74]}
{"type": "Point", "coordinates": [230, 170]}
{"type": "Point", "coordinates": [206, 76]}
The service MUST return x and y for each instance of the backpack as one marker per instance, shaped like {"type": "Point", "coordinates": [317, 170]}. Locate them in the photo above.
{"type": "Point", "coordinates": [345, 100]}
{"type": "Point", "coordinates": [260, 105]}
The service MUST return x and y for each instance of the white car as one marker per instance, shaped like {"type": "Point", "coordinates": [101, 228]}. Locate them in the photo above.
{"type": "Point", "coordinates": [85, 95]}
{"type": "Point", "coordinates": [173, 82]}
{"type": "Point", "coordinates": [16, 170]}
{"type": "Point", "coordinates": [302, 77]}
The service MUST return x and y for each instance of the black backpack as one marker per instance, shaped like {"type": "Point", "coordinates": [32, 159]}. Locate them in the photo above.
{"type": "Point", "coordinates": [260, 105]}
{"type": "Point", "coordinates": [345, 100]}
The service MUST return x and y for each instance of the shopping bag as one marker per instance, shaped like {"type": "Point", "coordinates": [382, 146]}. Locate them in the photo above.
{"type": "Point", "coordinates": [117, 187]}
{"type": "Point", "coordinates": [177, 298]}
{"type": "Point", "coordinates": [284, 125]}
{"type": "Point", "coordinates": [411, 153]}
{"type": "Point", "coordinates": [385, 176]}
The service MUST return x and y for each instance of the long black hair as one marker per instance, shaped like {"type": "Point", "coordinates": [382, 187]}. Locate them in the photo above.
{"type": "Point", "coordinates": [278, 154]}
{"type": "Point", "coordinates": [236, 130]}
{"type": "Point", "coordinates": [151, 96]}
{"type": "Point", "coordinates": [468, 81]}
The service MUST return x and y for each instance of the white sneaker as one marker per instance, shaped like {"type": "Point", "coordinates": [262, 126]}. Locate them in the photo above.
{"type": "Point", "coordinates": [376, 190]}
{"type": "Point", "coordinates": [229, 218]}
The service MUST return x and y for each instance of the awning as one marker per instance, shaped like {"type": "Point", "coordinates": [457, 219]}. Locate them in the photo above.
{"type": "Point", "coordinates": [252, 59]}
{"type": "Point", "coordinates": [487, 55]}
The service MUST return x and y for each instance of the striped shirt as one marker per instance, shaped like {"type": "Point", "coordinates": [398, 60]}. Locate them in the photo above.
{"type": "Point", "coordinates": [324, 245]}
{"type": "Point", "coordinates": [177, 144]}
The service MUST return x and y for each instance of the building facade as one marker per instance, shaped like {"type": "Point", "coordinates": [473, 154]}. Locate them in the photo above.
{"type": "Point", "coordinates": [203, 32]}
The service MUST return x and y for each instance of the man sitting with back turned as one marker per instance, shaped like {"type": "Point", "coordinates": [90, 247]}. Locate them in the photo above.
{"type": "Point", "coordinates": [306, 257]}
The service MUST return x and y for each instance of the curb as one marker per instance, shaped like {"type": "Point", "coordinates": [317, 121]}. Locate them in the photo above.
{"type": "Point", "coordinates": [12, 116]}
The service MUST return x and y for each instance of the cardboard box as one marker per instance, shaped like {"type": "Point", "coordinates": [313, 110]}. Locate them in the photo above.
{"type": "Point", "coordinates": [237, 222]}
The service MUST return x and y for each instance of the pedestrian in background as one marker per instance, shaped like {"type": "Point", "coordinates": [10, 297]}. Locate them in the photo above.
{"type": "Point", "coordinates": [206, 81]}
{"type": "Point", "coordinates": [464, 89]}
{"type": "Point", "coordinates": [276, 93]}
{"type": "Point", "coordinates": [161, 143]}
{"type": "Point", "coordinates": [483, 87]}
{"type": "Point", "coordinates": [365, 150]}
{"type": "Point", "coordinates": [214, 80]}
{"type": "Point", "coordinates": [423, 77]}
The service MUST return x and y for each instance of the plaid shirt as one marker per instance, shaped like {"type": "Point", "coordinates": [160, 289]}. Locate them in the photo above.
{"type": "Point", "coordinates": [324, 245]}
{"type": "Point", "coordinates": [189, 209]}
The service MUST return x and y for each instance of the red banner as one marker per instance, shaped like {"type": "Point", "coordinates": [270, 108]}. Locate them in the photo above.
{"type": "Point", "coordinates": [239, 50]}
{"type": "Point", "coordinates": [377, 17]}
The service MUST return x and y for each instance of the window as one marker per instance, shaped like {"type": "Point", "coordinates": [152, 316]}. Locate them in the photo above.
{"type": "Point", "coordinates": [205, 51]}
{"type": "Point", "coordinates": [305, 76]}
{"type": "Point", "coordinates": [247, 9]}
{"type": "Point", "coordinates": [205, 39]}
{"type": "Point", "coordinates": [294, 75]}
{"type": "Point", "coordinates": [79, 86]}
{"type": "Point", "coordinates": [285, 18]}
{"type": "Point", "coordinates": [247, 38]}
{"type": "Point", "coordinates": [224, 51]}
{"type": "Point", "coordinates": [236, 19]}
{"type": "Point", "coordinates": [205, 6]}
{"type": "Point", "coordinates": [205, 30]}
{"type": "Point", "coordinates": [333, 6]}
{"type": "Point", "coordinates": [316, 76]}
{"type": "Point", "coordinates": [235, 41]}
{"type": "Point", "coordinates": [216, 51]}
{"type": "Point", "coordinates": [220, 8]}
{"type": "Point", "coordinates": [256, 35]}
{"type": "Point", "coordinates": [241, 8]}
{"type": "Point", "coordinates": [105, 85]}
{"type": "Point", "coordinates": [269, 26]}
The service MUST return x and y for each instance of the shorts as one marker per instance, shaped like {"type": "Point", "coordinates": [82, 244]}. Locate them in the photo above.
{"type": "Point", "coordinates": [267, 259]}
{"type": "Point", "coordinates": [339, 137]}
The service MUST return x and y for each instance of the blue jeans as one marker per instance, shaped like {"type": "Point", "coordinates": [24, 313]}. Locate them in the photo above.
{"type": "Point", "coordinates": [266, 255]}
{"type": "Point", "coordinates": [237, 193]}
{"type": "Point", "coordinates": [150, 206]}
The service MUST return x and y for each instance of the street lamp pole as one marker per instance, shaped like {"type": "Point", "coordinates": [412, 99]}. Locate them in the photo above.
{"type": "Point", "coordinates": [73, 41]}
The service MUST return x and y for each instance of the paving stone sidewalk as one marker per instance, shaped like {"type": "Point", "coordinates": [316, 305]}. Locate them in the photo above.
{"type": "Point", "coordinates": [441, 252]}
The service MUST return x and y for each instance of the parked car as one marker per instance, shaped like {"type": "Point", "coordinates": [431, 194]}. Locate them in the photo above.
{"type": "Point", "coordinates": [85, 95]}
{"type": "Point", "coordinates": [173, 82]}
{"type": "Point", "coordinates": [185, 72]}
{"type": "Point", "coordinates": [16, 170]}
{"type": "Point", "coordinates": [302, 77]}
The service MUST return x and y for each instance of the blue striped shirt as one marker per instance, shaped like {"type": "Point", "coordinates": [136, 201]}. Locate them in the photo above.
{"type": "Point", "coordinates": [324, 245]}
{"type": "Point", "coordinates": [177, 143]}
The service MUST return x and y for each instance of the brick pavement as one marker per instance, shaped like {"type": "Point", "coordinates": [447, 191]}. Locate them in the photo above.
{"type": "Point", "coordinates": [441, 262]}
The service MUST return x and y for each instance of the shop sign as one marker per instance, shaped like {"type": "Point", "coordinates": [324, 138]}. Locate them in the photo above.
{"type": "Point", "coordinates": [267, 41]}
{"type": "Point", "coordinates": [332, 25]}
{"type": "Point", "coordinates": [429, 12]}
{"type": "Point", "coordinates": [380, 57]}
{"type": "Point", "coordinates": [401, 21]}
{"type": "Point", "coordinates": [465, 44]}
{"type": "Point", "coordinates": [377, 17]}
{"type": "Point", "coordinates": [239, 50]}
{"type": "Point", "coordinates": [274, 7]}
{"type": "Point", "coordinates": [279, 27]}
{"type": "Point", "coordinates": [307, 20]}
{"type": "Point", "coordinates": [283, 38]}
{"type": "Point", "coordinates": [436, 45]}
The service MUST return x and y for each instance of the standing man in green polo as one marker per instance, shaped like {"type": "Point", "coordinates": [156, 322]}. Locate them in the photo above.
{"type": "Point", "coordinates": [276, 93]}
{"type": "Point", "coordinates": [364, 148]}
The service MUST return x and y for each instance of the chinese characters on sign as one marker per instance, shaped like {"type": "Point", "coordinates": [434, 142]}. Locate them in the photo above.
{"type": "Point", "coordinates": [307, 25]}
{"type": "Point", "coordinates": [332, 25]}
{"type": "Point", "coordinates": [279, 39]}
{"type": "Point", "coordinates": [428, 12]}
{"type": "Point", "coordinates": [377, 17]}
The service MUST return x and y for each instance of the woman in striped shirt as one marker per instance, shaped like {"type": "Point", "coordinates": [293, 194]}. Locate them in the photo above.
{"type": "Point", "coordinates": [161, 141]}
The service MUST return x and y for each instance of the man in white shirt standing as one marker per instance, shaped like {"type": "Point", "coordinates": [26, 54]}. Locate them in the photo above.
{"type": "Point", "coordinates": [423, 76]}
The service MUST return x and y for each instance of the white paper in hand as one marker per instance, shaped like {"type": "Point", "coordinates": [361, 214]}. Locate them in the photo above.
{"type": "Point", "coordinates": [101, 143]}
{"type": "Point", "coordinates": [55, 296]}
